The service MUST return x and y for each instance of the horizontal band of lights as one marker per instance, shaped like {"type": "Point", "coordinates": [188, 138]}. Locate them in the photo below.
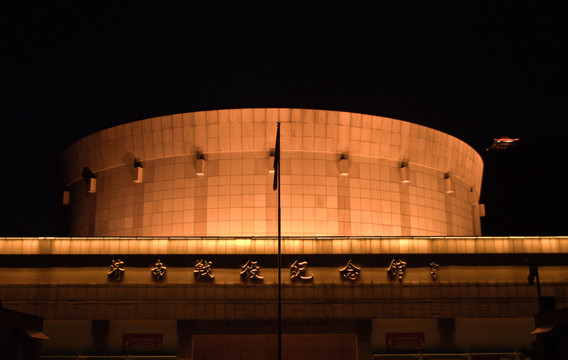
{"type": "Point", "coordinates": [268, 246]}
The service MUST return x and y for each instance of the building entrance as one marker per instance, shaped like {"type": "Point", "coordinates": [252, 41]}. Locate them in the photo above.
{"type": "Point", "coordinates": [262, 347]}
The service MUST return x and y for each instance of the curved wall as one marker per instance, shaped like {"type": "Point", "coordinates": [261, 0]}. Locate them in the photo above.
{"type": "Point", "coordinates": [235, 196]}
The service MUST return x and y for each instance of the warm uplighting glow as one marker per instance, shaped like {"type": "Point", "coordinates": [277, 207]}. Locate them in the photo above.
{"type": "Point", "coordinates": [290, 245]}
{"type": "Point", "coordinates": [341, 175]}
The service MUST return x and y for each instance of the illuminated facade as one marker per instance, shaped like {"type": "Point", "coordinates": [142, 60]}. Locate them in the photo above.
{"type": "Point", "coordinates": [174, 224]}
{"type": "Point", "coordinates": [207, 174]}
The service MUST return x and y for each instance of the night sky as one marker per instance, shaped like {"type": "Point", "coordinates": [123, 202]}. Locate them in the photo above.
{"type": "Point", "coordinates": [479, 72]}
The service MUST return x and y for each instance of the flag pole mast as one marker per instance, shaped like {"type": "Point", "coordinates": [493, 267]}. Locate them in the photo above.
{"type": "Point", "coordinates": [277, 158]}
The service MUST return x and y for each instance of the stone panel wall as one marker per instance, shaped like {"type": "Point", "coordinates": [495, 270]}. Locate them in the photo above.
{"type": "Point", "coordinates": [235, 197]}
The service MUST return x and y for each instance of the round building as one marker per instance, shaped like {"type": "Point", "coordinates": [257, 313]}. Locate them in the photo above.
{"type": "Point", "coordinates": [209, 173]}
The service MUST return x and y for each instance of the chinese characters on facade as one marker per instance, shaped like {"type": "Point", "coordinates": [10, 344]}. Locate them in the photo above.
{"type": "Point", "coordinates": [116, 270]}
{"type": "Point", "coordinates": [434, 270]}
{"type": "Point", "coordinates": [203, 270]}
{"type": "Point", "coordinates": [159, 270]}
{"type": "Point", "coordinates": [350, 271]}
{"type": "Point", "coordinates": [299, 271]}
{"type": "Point", "coordinates": [250, 270]}
{"type": "Point", "coordinates": [397, 268]}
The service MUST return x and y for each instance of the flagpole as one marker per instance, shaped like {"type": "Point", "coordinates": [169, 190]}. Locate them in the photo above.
{"type": "Point", "coordinates": [277, 158]}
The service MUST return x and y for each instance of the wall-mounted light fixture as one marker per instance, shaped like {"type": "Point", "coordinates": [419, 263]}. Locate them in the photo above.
{"type": "Point", "coordinates": [66, 197]}
{"type": "Point", "coordinates": [139, 175]}
{"type": "Point", "coordinates": [343, 165]}
{"type": "Point", "coordinates": [404, 172]}
{"type": "Point", "coordinates": [448, 184]}
{"type": "Point", "coordinates": [271, 161]}
{"type": "Point", "coordinates": [90, 179]}
{"type": "Point", "coordinates": [92, 186]}
{"type": "Point", "coordinates": [200, 165]}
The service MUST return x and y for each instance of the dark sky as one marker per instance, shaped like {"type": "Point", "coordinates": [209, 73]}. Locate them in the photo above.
{"type": "Point", "coordinates": [479, 72]}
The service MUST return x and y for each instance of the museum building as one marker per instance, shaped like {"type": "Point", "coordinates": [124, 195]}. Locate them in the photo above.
{"type": "Point", "coordinates": [173, 226]}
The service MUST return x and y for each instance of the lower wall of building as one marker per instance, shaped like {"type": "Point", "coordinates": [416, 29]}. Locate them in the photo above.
{"type": "Point", "coordinates": [483, 334]}
{"type": "Point", "coordinates": [463, 334]}
{"type": "Point", "coordinates": [67, 337]}
{"type": "Point", "coordinates": [76, 336]}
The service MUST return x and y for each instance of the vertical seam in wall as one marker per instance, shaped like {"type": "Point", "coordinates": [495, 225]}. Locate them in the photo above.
{"type": "Point", "coordinates": [138, 208]}
{"type": "Point", "coordinates": [200, 196]}
{"type": "Point", "coordinates": [405, 229]}
{"type": "Point", "coordinates": [344, 205]}
{"type": "Point", "coordinates": [92, 213]}
{"type": "Point", "coordinates": [449, 215]}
